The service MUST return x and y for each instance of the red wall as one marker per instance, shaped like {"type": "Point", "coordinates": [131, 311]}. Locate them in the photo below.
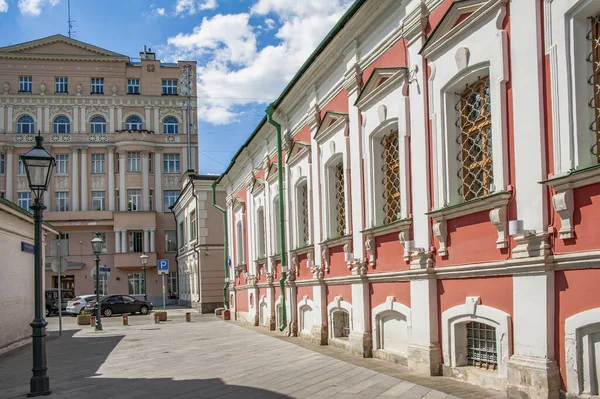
{"type": "Point", "coordinates": [394, 57]}
{"type": "Point", "coordinates": [471, 239]}
{"type": "Point", "coordinates": [389, 254]}
{"type": "Point", "coordinates": [302, 291]}
{"type": "Point", "coordinates": [303, 134]}
{"type": "Point", "coordinates": [338, 104]}
{"type": "Point", "coordinates": [576, 291]}
{"type": "Point", "coordinates": [305, 273]}
{"type": "Point", "coordinates": [586, 220]}
{"type": "Point", "coordinates": [345, 291]}
{"type": "Point", "coordinates": [380, 291]}
{"type": "Point", "coordinates": [337, 263]}
{"type": "Point", "coordinates": [242, 301]}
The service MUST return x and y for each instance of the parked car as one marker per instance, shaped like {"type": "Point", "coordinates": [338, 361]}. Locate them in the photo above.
{"type": "Point", "coordinates": [75, 305]}
{"type": "Point", "coordinates": [118, 304]}
{"type": "Point", "coordinates": [52, 300]}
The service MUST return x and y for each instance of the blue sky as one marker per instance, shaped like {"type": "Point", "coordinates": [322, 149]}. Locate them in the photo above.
{"type": "Point", "coordinates": [247, 50]}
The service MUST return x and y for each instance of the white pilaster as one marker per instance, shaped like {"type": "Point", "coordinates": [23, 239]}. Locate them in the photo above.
{"type": "Point", "coordinates": [158, 203]}
{"type": "Point", "coordinates": [120, 118]}
{"type": "Point", "coordinates": [147, 123]}
{"type": "Point", "coordinates": [10, 172]}
{"type": "Point", "coordinates": [38, 114]}
{"type": "Point", "coordinates": [75, 179]}
{"type": "Point", "coordinates": [84, 179]}
{"type": "Point", "coordinates": [360, 337]}
{"type": "Point", "coordinates": [9, 119]}
{"type": "Point", "coordinates": [46, 119]}
{"type": "Point", "coordinates": [83, 120]}
{"type": "Point", "coordinates": [184, 160]}
{"type": "Point", "coordinates": [146, 240]}
{"type": "Point", "coordinates": [75, 119]}
{"type": "Point", "coordinates": [124, 241]}
{"type": "Point", "coordinates": [424, 354]}
{"type": "Point", "coordinates": [117, 241]}
{"type": "Point", "coordinates": [152, 240]}
{"type": "Point", "coordinates": [2, 127]}
{"type": "Point", "coordinates": [111, 119]}
{"type": "Point", "coordinates": [145, 182]}
{"type": "Point", "coordinates": [122, 190]}
{"type": "Point", "coordinates": [156, 122]}
{"type": "Point", "coordinates": [111, 178]}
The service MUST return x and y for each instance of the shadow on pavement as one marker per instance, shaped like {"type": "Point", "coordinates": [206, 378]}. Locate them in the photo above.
{"type": "Point", "coordinates": [73, 363]}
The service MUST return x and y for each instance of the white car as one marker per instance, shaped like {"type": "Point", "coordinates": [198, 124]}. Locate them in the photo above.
{"type": "Point", "coordinates": [78, 303]}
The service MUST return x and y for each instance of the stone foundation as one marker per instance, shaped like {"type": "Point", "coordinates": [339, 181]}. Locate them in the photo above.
{"type": "Point", "coordinates": [425, 359]}
{"type": "Point", "coordinates": [271, 324]}
{"type": "Point", "coordinates": [360, 344]}
{"type": "Point", "coordinates": [475, 375]}
{"type": "Point", "coordinates": [390, 357]}
{"type": "Point", "coordinates": [532, 378]}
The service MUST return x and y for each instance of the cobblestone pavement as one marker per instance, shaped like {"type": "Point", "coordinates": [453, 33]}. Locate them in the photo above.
{"type": "Point", "coordinates": [209, 358]}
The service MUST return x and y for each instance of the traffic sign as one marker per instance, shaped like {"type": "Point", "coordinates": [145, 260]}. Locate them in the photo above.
{"type": "Point", "coordinates": [163, 266]}
{"type": "Point", "coordinates": [104, 269]}
{"type": "Point", "coordinates": [59, 267]}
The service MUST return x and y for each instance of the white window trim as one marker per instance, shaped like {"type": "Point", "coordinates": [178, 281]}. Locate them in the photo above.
{"type": "Point", "coordinates": [329, 196]}
{"type": "Point", "coordinates": [267, 311]}
{"type": "Point", "coordinates": [485, 57]}
{"type": "Point", "coordinates": [338, 304]}
{"type": "Point", "coordinates": [386, 308]}
{"type": "Point", "coordinates": [296, 213]}
{"type": "Point", "coordinates": [305, 303]}
{"type": "Point", "coordinates": [574, 325]}
{"type": "Point", "coordinates": [471, 310]}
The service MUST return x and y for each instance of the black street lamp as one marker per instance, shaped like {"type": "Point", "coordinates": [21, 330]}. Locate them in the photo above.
{"type": "Point", "coordinates": [97, 248]}
{"type": "Point", "coordinates": [38, 165]}
{"type": "Point", "coordinates": [144, 261]}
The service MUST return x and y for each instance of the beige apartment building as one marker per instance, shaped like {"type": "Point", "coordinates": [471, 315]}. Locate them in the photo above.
{"type": "Point", "coordinates": [118, 128]}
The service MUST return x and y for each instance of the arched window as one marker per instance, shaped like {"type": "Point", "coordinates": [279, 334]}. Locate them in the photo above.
{"type": "Point", "coordinates": [62, 124]}
{"type": "Point", "coordinates": [133, 123]}
{"type": "Point", "coordinates": [481, 345]}
{"type": "Point", "coordinates": [98, 124]}
{"type": "Point", "coordinates": [390, 155]}
{"type": "Point", "coordinates": [170, 125]}
{"type": "Point", "coordinates": [341, 324]}
{"type": "Point", "coordinates": [25, 124]}
{"type": "Point", "coordinates": [276, 230]}
{"type": "Point", "coordinates": [302, 234]}
{"type": "Point", "coordinates": [336, 200]}
{"type": "Point", "coordinates": [260, 232]}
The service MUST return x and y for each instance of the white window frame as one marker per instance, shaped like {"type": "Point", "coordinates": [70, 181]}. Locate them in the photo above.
{"type": "Point", "coordinates": [57, 125]}
{"type": "Point", "coordinates": [25, 127]}
{"type": "Point", "coordinates": [578, 368]}
{"type": "Point", "coordinates": [134, 162]}
{"type": "Point", "coordinates": [132, 241]}
{"type": "Point", "coordinates": [97, 86]}
{"type": "Point", "coordinates": [171, 163]}
{"type": "Point", "coordinates": [168, 194]}
{"type": "Point", "coordinates": [133, 86]}
{"type": "Point", "coordinates": [169, 242]}
{"type": "Point", "coordinates": [275, 226]}
{"type": "Point", "coordinates": [20, 167]}
{"type": "Point", "coordinates": [329, 192]}
{"type": "Point", "coordinates": [134, 199]}
{"type": "Point", "coordinates": [135, 283]}
{"type": "Point", "coordinates": [193, 225]}
{"type": "Point", "coordinates": [131, 125]}
{"type": "Point", "coordinates": [98, 162]}
{"type": "Point", "coordinates": [379, 312]}
{"type": "Point", "coordinates": [338, 304]}
{"type": "Point", "coordinates": [488, 55]}
{"type": "Point", "coordinates": [25, 84]}
{"type": "Point", "coordinates": [24, 199]}
{"type": "Point", "coordinates": [62, 164]}
{"type": "Point", "coordinates": [170, 127]}
{"type": "Point", "coordinates": [298, 213]}
{"type": "Point", "coordinates": [169, 87]}
{"type": "Point", "coordinates": [97, 126]}
{"type": "Point", "coordinates": [61, 201]}
{"type": "Point", "coordinates": [261, 234]}
{"type": "Point", "coordinates": [99, 200]}
{"type": "Point", "coordinates": [61, 84]}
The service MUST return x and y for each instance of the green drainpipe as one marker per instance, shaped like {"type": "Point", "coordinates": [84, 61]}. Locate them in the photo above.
{"type": "Point", "coordinates": [225, 244]}
{"type": "Point", "coordinates": [270, 109]}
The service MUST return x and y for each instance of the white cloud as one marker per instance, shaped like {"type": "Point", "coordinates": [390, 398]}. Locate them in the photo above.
{"type": "Point", "coordinates": [3, 6]}
{"type": "Point", "coordinates": [160, 11]}
{"type": "Point", "coordinates": [34, 7]}
{"type": "Point", "coordinates": [193, 6]}
{"type": "Point", "coordinates": [233, 71]}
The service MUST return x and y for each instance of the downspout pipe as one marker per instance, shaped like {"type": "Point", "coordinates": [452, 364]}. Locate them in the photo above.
{"type": "Point", "coordinates": [270, 110]}
{"type": "Point", "coordinates": [225, 245]}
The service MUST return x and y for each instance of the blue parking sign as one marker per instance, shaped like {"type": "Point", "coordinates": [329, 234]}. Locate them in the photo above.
{"type": "Point", "coordinates": [163, 266]}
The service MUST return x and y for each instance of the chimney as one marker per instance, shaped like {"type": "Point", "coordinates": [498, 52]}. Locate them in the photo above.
{"type": "Point", "coordinates": [147, 54]}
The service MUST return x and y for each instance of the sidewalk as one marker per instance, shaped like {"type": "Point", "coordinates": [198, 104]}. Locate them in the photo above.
{"type": "Point", "coordinates": [207, 358]}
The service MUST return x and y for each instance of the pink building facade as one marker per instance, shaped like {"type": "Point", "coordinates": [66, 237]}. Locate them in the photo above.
{"type": "Point", "coordinates": [119, 132]}
{"type": "Point", "coordinates": [441, 194]}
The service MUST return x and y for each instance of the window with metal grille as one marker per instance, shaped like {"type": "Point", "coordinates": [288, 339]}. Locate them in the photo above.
{"type": "Point", "coordinates": [134, 200]}
{"type": "Point", "coordinates": [171, 163]}
{"type": "Point", "coordinates": [25, 83]}
{"type": "Point", "coordinates": [62, 85]}
{"type": "Point", "coordinates": [25, 124]}
{"type": "Point", "coordinates": [133, 162]}
{"type": "Point", "coordinates": [97, 163]}
{"type": "Point", "coordinates": [62, 164]}
{"type": "Point", "coordinates": [239, 241]}
{"type": "Point", "coordinates": [340, 198]}
{"type": "Point", "coordinates": [136, 241]}
{"type": "Point", "coordinates": [302, 210]}
{"type": "Point", "coordinates": [62, 201]}
{"type": "Point", "coordinates": [341, 324]}
{"type": "Point", "coordinates": [170, 125]}
{"type": "Point", "coordinates": [481, 345]}
{"type": "Point", "coordinates": [98, 124]}
{"type": "Point", "coordinates": [391, 177]}
{"type": "Point", "coordinates": [169, 87]}
{"type": "Point", "coordinates": [276, 230]}
{"type": "Point", "coordinates": [475, 140]}
{"type": "Point", "coordinates": [594, 80]}
{"type": "Point", "coordinates": [133, 86]}
{"type": "Point", "coordinates": [62, 124]}
{"type": "Point", "coordinates": [97, 85]}
{"type": "Point", "coordinates": [260, 232]}
{"type": "Point", "coordinates": [133, 123]}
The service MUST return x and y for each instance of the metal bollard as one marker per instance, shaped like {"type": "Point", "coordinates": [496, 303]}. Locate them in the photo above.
{"type": "Point", "coordinates": [156, 318]}
{"type": "Point", "coordinates": [93, 321]}
{"type": "Point", "coordinates": [125, 320]}
{"type": "Point", "coordinates": [188, 317]}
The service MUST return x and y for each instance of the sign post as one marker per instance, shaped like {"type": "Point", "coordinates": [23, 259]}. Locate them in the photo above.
{"type": "Point", "coordinates": [163, 268]}
{"type": "Point", "coordinates": [59, 265]}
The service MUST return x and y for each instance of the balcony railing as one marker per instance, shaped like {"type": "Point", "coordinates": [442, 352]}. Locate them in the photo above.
{"type": "Point", "coordinates": [122, 135]}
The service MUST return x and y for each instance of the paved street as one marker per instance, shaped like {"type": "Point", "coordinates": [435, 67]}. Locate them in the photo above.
{"type": "Point", "coordinates": [199, 360]}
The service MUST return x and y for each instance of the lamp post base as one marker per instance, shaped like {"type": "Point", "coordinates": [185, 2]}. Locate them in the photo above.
{"type": "Point", "coordinates": [39, 387]}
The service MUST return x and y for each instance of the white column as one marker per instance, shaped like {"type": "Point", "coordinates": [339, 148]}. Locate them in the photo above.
{"type": "Point", "coordinates": [9, 119]}
{"type": "Point", "coordinates": [158, 202]}
{"type": "Point", "coordinates": [111, 120]}
{"type": "Point", "coordinates": [156, 121]}
{"type": "Point", "coordinates": [84, 179]}
{"type": "Point", "coordinates": [153, 240]}
{"type": "Point", "coordinates": [124, 241]}
{"type": "Point", "coordinates": [146, 240]}
{"type": "Point", "coordinates": [122, 190]}
{"type": "Point", "coordinates": [46, 119]}
{"type": "Point", "coordinates": [83, 120]}
{"type": "Point", "coordinates": [10, 173]}
{"type": "Point", "coordinates": [145, 182]}
{"type": "Point", "coordinates": [120, 118]}
{"type": "Point", "coordinates": [111, 178]}
{"type": "Point", "coordinates": [75, 179]}
{"type": "Point", "coordinates": [147, 123]}
{"type": "Point", "coordinates": [117, 241]}
{"type": "Point", "coordinates": [38, 125]}
{"type": "Point", "coordinates": [424, 354]}
{"type": "Point", "coordinates": [2, 128]}
{"type": "Point", "coordinates": [75, 119]}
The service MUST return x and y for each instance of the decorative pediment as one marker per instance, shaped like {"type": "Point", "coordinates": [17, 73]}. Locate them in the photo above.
{"type": "Point", "coordinates": [58, 47]}
{"type": "Point", "coordinates": [271, 171]}
{"type": "Point", "coordinates": [298, 151]}
{"type": "Point", "coordinates": [239, 203]}
{"type": "Point", "coordinates": [380, 80]}
{"type": "Point", "coordinates": [330, 123]}
{"type": "Point", "coordinates": [461, 16]}
{"type": "Point", "coordinates": [257, 185]}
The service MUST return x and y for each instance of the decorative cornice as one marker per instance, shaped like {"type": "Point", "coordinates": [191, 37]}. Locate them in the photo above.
{"type": "Point", "coordinates": [494, 200]}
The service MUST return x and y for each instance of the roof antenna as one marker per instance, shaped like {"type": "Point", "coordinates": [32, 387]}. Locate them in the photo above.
{"type": "Point", "coordinates": [70, 21]}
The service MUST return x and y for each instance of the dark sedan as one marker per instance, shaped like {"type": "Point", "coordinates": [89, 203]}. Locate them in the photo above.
{"type": "Point", "coordinates": [119, 304]}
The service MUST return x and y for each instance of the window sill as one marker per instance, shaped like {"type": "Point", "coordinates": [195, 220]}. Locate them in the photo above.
{"type": "Point", "coordinates": [260, 261]}
{"type": "Point", "coordinates": [303, 250]}
{"type": "Point", "coordinates": [61, 92]}
{"type": "Point", "coordinates": [495, 200]}
{"type": "Point", "coordinates": [241, 267]}
{"type": "Point", "coordinates": [397, 226]}
{"type": "Point", "coordinates": [337, 241]}
{"type": "Point", "coordinates": [575, 178]}
{"type": "Point", "coordinates": [96, 94]}
{"type": "Point", "coordinates": [133, 94]}
{"type": "Point", "coordinates": [24, 92]}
